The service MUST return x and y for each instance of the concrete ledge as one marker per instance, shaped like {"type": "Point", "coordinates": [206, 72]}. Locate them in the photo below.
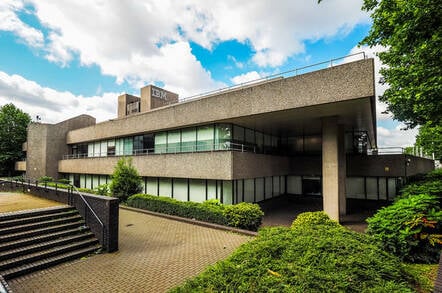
{"type": "Point", "coordinates": [192, 221]}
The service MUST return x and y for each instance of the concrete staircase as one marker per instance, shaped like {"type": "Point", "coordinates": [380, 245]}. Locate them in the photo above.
{"type": "Point", "coordinates": [38, 239]}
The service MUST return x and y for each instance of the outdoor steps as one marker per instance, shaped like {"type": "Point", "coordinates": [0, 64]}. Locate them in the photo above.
{"type": "Point", "coordinates": [37, 239]}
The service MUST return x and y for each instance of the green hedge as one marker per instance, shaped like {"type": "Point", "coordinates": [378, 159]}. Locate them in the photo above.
{"type": "Point", "coordinates": [411, 227]}
{"type": "Point", "coordinates": [315, 255]}
{"type": "Point", "coordinates": [243, 215]}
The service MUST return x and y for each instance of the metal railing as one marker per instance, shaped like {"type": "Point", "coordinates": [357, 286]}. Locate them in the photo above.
{"type": "Point", "coordinates": [161, 150]}
{"type": "Point", "coordinates": [26, 181]}
{"type": "Point", "coordinates": [285, 74]}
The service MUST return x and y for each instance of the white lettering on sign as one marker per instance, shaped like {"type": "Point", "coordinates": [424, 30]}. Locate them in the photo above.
{"type": "Point", "coordinates": [157, 93]}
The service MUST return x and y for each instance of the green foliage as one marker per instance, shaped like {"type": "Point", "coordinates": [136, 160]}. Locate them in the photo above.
{"type": "Point", "coordinates": [313, 218]}
{"type": "Point", "coordinates": [125, 180]}
{"type": "Point", "coordinates": [430, 139]}
{"type": "Point", "coordinates": [45, 179]}
{"type": "Point", "coordinates": [410, 228]}
{"type": "Point", "coordinates": [203, 212]}
{"type": "Point", "coordinates": [309, 257]}
{"type": "Point", "coordinates": [102, 189]}
{"type": "Point", "coordinates": [243, 215]}
{"type": "Point", "coordinates": [64, 181]}
{"type": "Point", "coordinates": [431, 184]}
{"type": "Point", "coordinates": [411, 32]}
{"type": "Point", "coordinates": [422, 276]}
{"type": "Point", "coordinates": [13, 125]}
{"type": "Point", "coordinates": [56, 184]}
{"type": "Point", "coordinates": [86, 190]}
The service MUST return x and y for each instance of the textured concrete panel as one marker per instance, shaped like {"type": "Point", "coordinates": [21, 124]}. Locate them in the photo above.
{"type": "Point", "coordinates": [344, 82]}
{"type": "Point", "coordinates": [388, 165]}
{"type": "Point", "coordinates": [251, 165]}
{"type": "Point", "coordinates": [204, 165]}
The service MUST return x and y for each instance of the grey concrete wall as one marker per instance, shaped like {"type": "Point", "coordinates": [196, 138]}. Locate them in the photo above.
{"type": "Point", "coordinates": [106, 208]}
{"type": "Point", "coordinates": [123, 100]}
{"type": "Point", "coordinates": [306, 165]}
{"type": "Point", "coordinates": [387, 165]}
{"type": "Point", "coordinates": [47, 145]}
{"type": "Point", "coordinates": [149, 101]}
{"type": "Point", "coordinates": [344, 82]}
{"type": "Point", "coordinates": [203, 165]}
{"type": "Point", "coordinates": [251, 165]}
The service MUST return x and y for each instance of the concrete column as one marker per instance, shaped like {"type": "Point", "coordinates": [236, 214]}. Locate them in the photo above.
{"type": "Point", "coordinates": [333, 168]}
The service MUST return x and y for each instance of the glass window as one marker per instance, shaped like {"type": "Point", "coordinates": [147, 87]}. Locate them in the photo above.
{"type": "Point", "coordinates": [268, 187]}
{"type": "Point", "coordinates": [138, 144]}
{"type": "Point", "coordinates": [197, 189]}
{"type": "Point", "coordinates": [119, 145]}
{"type": "Point", "coordinates": [227, 192]}
{"type": "Point", "coordinates": [249, 190]}
{"type": "Point", "coordinates": [238, 134]}
{"type": "Point", "coordinates": [148, 142]}
{"type": "Point", "coordinates": [259, 142]}
{"type": "Point", "coordinates": [372, 187]}
{"type": "Point", "coordinates": [166, 187]}
{"type": "Point", "coordinates": [103, 148]}
{"type": "Point", "coordinates": [97, 149]}
{"type": "Point", "coordinates": [82, 181]}
{"type": "Point", "coordinates": [111, 147]}
{"type": "Point", "coordinates": [250, 136]}
{"type": "Point", "coordinates": [276, 182]}
{"type": "Point", "coordinates": [152, 186]}
{"type": "Point", "coordinates": [160, 142]}
{"type": "Point", "coordinates": [294, 184]}
{"type": "Point", "coordinates": [188, 139]}
{"type": "Point", "coordinates": [355, 187]}
{"type": "Point", "coordinates": [222, 136]}
{"type": "Point", "coordinates": [205, 138]}
{"type": "Point", "coordinates": [382, 188]}
{"type": "Point", "coordinates": [211, 189]}
{"type": "Point", "coordinates": [90, 150]}
{"type": "Point", "coordinates": [259, 189]}
{"type": "Point", "coordinates": [173, 141]}
{"type": "Point", "coordinates": [88, 181]}
{"type": "Point", "coordinates": [239, 190]}
{"type": "Point", "coordinates": [180, 189]}
{"type": "Point", "coordinates": [95, 179]}
{"type": "Point", "coordinates": [128, 146]}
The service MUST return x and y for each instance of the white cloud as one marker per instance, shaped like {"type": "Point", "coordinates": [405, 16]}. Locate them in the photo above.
{"type": "Point", "coordinates": [146, 41]}
{"type": "Point", "coordinates": [53, 106]}
{"type": "Point", "coordinates": [10, 22]}
{"type": "Point", "coordinates": [246, 77]}
{"type": "Point", "coordinates": [396, 137]}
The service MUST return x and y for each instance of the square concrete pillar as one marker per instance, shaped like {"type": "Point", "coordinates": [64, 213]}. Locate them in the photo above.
{"type": "Point", "coordinates": [333, 168]}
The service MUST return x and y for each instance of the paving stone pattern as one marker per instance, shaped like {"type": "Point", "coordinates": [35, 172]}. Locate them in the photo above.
{"type": "Point", "coordinates": [155, 255]}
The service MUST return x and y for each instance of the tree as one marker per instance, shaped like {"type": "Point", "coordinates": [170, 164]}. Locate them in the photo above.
{"type": "Point", "coordinates": [411, 32]}
{"type": "Point", "coordinates": [430, 139]}
{"type": "Point", "coordinates": [13, 132]}
{"type": "Point", "coordinates": [125, 180]}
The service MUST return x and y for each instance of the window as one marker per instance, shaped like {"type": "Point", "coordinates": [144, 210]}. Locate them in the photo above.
{"type": "Point", "coordinates": [173, 141]}
{"type": "Point", "coordinates": [222, 136]}
{"type": "Point", "coordinates": [160, 142]}
{"type": "Point", "coordinates": [138, 145]}
{"type": "Point", "coordinates": [128, 146]}
{"type": "Point", "coordinates": [205, 138]}
{"type": "Point", "coordinates": [188, 139]}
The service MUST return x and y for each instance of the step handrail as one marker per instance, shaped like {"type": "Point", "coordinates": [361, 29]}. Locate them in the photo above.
{"type": "Point", "coordinates": [70, 190]}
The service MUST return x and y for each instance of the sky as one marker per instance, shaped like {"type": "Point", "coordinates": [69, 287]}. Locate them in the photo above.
{"type": "Point", "coordinates": [63, 58]}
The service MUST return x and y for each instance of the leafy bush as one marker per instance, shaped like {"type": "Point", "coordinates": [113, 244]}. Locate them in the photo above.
{"type": "Point", "coordinates": [316, 255]}
{"type": "Point", "coordinates": [64, 181]}
{"type": "Point", "coordinates": [410, 228]}
{"type": "Point", "coordinates": [86, 190]}
{"type": "Point", "coordinates": [202, 212]}
{"type": "Point", "coordinates": [102, 189]}
{"type": "Point", "coordinates": [45, 179]}
{"type": "Point", "coordinates": [125, 180]}
{"type": "Point", "coordinates": [243, 215]}
{"type": "Point", "coordinates": [58, 185]}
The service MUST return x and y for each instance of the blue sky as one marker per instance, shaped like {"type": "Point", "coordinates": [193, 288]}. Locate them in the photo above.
{"type": "Point", "coordinates": [62, 58]}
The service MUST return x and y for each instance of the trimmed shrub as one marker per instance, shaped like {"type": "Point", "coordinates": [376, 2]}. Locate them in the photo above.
{"type": "Point", "coordinates": [86, 190]}
{"type": "Point", "coordinates": [243, 215]}
{"type": "Point", "coordinates": [64, 181]}
{"type": "Point", "coordinates": [316, 255]}
{"type": "Point", "coordinates": [125, 180]}
{"type": "Point", "coordinates": [410, 228]}
{"type": "Point", "coordinates": [56, 184]}
{"type": "Point", "coordinates": [202, 212]}
{"type": "Point", "coordinates": [46, 179]}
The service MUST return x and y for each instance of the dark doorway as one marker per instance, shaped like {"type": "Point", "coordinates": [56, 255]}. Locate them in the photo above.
{"type": "Point", "coordinates": [311, 186]}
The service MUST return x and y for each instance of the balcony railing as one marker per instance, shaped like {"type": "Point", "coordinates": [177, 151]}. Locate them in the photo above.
{"type": "Point", "coordinates": [196, 148]}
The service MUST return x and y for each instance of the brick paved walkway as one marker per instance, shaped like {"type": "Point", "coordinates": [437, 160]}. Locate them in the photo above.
{"type": "Point", "coordinates": [155, 255]}
{"type": "Point", "coordinates": [10, 202]}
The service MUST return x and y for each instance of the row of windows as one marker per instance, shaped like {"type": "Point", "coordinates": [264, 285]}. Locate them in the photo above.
{"type": "Point", "coordinates": [249, 190]}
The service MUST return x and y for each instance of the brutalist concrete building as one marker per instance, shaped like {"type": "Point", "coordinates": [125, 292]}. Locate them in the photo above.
{"type": "Point", "coordinates": [306, 134]}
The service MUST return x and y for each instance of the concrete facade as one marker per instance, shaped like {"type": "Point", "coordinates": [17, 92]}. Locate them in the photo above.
{"type": "Point", "coordinates": [247, 143]}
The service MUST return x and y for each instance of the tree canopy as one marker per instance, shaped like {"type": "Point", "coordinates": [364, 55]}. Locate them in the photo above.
{"type": "Point", "coordinates": [411, 32]}
{"type": "Point", "coordinates": [13, 132]}
{"type": "Point", "coordinates": [430, 139]}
